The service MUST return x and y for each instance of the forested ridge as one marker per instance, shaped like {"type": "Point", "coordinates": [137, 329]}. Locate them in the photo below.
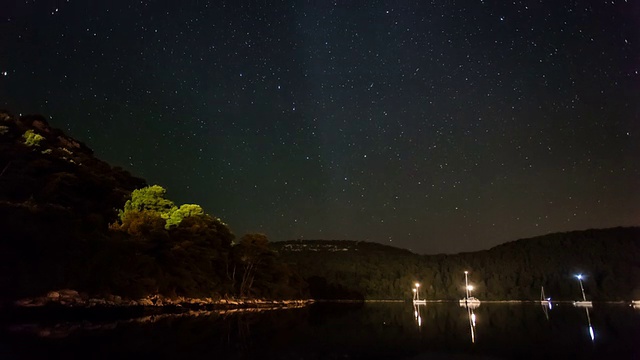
{"type": "Point", "coordinates": [608, 258]}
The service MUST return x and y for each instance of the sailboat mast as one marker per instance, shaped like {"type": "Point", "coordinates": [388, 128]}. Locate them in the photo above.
{"type": "Point", "coordinates": [466, 283]}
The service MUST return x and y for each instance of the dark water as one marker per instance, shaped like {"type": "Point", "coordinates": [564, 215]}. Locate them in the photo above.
{"type": "Point", "coordinates": [364, 331]}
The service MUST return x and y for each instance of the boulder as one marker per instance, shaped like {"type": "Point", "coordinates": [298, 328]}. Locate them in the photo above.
{"type": "Point", "coordinates": [145, 302]}
{"type": "Point", "coordinates": [68, 293]}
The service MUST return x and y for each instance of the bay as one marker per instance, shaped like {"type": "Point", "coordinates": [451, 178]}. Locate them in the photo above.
{"type": "Point", "coordinates": [343, 331]}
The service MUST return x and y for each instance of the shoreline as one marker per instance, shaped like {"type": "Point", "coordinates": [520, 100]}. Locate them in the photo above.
{"type": "Point", "coordinates": [73, 299]}
{"type": "Point", "coordinates": [55, 321]}
{"type": "Point", "coordinates": [70, 304]}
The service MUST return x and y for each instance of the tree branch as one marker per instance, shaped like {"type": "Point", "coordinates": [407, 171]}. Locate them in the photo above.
{"type": "Point", "coordinates": [5, 168]}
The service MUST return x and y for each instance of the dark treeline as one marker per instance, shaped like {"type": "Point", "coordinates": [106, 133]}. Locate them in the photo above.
{"type": "Point", "coordinates": [71, 221]}
{"type": "Point", "coordinates": [609, 259]}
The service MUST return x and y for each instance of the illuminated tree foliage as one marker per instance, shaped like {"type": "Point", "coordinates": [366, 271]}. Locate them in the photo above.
{"type": "Point", "coordinates": [178, 214]}
{"type": "Point", "coordinates": [31, 138]}
{"type": "Point", "coordinates": [151, 201]}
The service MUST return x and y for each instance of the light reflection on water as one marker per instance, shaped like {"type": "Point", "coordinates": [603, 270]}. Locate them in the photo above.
{"type": "Point", "coordinates": [337, 331]}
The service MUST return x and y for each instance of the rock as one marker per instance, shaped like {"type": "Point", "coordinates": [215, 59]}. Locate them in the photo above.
{"type": "Point", "coordinates": [68, 293]}
{"type": "Point", "coordinates": [145, 302]}
{"type": "Point", "coordinates": [97, 301]}
{"type": "Point", "coordinates": [54, 295]}
{"type": "Point", "coordinates": [24, 302]}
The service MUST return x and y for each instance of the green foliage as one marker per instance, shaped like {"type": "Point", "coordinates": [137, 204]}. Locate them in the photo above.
{"type": "Point", "coordinates": [177, 215]}
{"type": "Point", "coordinates": [32, 139]}
{"type": "Point", "coordinates": [150, 199]}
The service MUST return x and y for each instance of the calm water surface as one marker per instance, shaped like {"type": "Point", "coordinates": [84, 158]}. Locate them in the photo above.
{"type": "Point", "coordinates": [364, 331]}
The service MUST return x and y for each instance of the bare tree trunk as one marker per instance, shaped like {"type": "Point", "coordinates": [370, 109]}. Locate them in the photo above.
{"type": "Point", "coordinates": [233, 277]}
{"type": "Point", "coordinates": [5, 168]}
{"type": "Point", "coordinates": [251, 282]}
{"type": "Point", "coordinates": [245, 278]}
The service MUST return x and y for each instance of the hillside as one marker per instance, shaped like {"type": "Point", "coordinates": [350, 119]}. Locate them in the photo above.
{"type": "Point", "coordinates": [54, 197]}
{"type": "Point", "coordinates": [72, 221]}
{"type": "Point", "coordinates": [512, 271]}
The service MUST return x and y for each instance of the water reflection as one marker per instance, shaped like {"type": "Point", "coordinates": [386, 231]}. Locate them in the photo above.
{"type": "Point", "coordinates": [417, 313]}
{"type": "Point", "coordinates": [591, 333]}
{"type": "Point", "coordinates": [472, 323]}
{"type": "Point", "coordinates": [354, 331]}
{"type": "Point", "coordinates": [546, 307]}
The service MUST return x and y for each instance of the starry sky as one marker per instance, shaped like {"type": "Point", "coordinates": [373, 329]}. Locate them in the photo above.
{"type": "Point", "coordinates": [436, 126]}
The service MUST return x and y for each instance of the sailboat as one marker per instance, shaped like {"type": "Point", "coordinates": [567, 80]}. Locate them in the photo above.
{"type": "Point", "coordinates": [544, 301]}
{"type": "Point", "coordinates": [583, 302]}
{"type": "Point", "coordinates": [416, 296]}
{"type": "Point", "coordinates": [469, 301]}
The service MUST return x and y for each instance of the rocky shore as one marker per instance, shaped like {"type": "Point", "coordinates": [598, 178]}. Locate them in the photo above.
{"type": "Point", "coordinates": [72, 298]}
{"type": "Point", "coordinates": [64, 312]}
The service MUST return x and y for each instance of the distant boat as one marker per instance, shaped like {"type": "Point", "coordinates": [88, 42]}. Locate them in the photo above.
{"type": "Point", "coordinates": [583, 302]}
{"type": "Point", "coordinates": [468, 301]}
{"type": "Point", "coordinates": [635, 304]}
{"type": "Point", "coordinates": [544, 301]}
{"type": "Point", "coordinates": [416, 295]}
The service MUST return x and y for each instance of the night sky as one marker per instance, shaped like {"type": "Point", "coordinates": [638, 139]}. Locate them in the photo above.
{"type": "Point", "coordinates": [437, 126]}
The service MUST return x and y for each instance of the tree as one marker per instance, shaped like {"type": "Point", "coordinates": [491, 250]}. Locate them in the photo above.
{"type": "Point", "coordinates": [185, 210]}
{"type": "Point", "coordinates": [31, 138]}
{"type": "Point", "coordinates": [150, 199]}
{"type": "Point", "coordinates": [252, 252]}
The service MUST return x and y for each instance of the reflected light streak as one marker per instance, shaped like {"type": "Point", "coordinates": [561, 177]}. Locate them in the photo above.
{"type": "Point", "coordinates": [591, 332]}
{"type": "Point", "coordinates": [417, 316]}
{"type": "Point", "coordinates": [472, 324]}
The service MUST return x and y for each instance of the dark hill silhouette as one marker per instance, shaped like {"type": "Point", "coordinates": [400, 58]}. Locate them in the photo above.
{"type": "Point", "coordinates": [54, 197]}
{"type": "Point", "coordinates": [61, 229]}
{"type": "Point", "coordinates": [609, 259]}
